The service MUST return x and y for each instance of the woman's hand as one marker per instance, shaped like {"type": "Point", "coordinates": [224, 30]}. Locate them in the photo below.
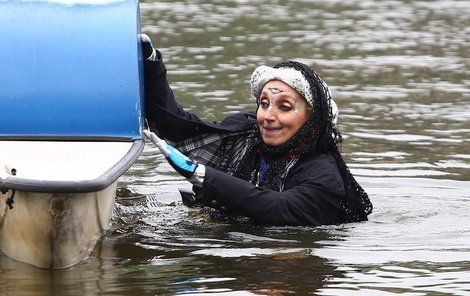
{"type": "Point", "coordinates": [148, 50]}
{"type": "Point", "coordinates": [181, 163]}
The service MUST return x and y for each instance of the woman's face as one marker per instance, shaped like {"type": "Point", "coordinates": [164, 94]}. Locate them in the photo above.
{"type": "Point", "coordinates": [281, 113]}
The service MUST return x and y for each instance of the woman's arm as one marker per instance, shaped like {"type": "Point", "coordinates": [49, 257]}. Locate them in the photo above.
{"type": "Point", "coordinates": [315, 200]}
{"type": "Point", "coordinates": [163, 113]}
{"type": "Point", "coordinates": [169, 120]}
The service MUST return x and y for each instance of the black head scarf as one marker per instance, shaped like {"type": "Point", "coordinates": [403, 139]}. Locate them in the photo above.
{"type": "Point", "coordinates": [267, 166]}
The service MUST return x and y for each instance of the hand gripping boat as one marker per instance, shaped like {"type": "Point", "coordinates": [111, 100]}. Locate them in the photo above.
{"type": "Point", "coordinates": [70, 123]}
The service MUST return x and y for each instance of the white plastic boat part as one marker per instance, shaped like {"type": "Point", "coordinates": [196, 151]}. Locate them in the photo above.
{"type": "Point", "coordinates": [64, 197]}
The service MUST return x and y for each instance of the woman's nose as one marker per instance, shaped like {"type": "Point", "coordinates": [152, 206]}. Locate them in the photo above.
{"type": "Point", "coordinates": [270, 114]}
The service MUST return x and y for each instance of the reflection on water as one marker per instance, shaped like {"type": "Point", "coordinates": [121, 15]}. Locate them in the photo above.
{"type": "Point", "coordinates": [399, 71]}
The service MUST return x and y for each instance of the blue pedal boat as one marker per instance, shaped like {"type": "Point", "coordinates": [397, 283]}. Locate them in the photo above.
{"type": "Point", "coordinates": [71, 118]}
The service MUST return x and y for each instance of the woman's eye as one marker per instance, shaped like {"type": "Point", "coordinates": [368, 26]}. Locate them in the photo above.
{"type": "Point", "coordinates": [264, 105]}
{"type": "Point", "coordinates": [285, 108]}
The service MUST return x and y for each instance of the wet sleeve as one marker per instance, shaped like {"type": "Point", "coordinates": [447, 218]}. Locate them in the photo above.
{"type": "Point", "coordinates": [314, 201]}
{"type": "Point", "coordinates": [167, 118]}
{"type": "Point", "coordinates": [159, 95]}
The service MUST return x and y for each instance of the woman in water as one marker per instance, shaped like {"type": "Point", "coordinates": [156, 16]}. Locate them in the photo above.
{"type": "Point", "coordinates": [279, 165]}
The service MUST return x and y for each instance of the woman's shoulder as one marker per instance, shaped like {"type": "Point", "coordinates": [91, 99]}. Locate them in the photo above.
{"type": "Point", "coordinates": [239, 121]}
{"type": "Point", "coordinates": [319, 168]}
{"type": "Point", "coordinates": [319, 162]}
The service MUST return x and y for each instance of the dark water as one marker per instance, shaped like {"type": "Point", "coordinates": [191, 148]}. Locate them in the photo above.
{"type": "Point", "coordinates": [399, 71]}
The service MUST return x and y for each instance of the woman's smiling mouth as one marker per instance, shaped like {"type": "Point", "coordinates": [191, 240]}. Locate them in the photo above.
{"type": "Point", "coordinates": [271, 129]}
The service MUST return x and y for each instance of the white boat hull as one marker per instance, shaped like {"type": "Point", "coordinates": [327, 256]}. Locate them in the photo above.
{"type": "Point", "coordinates": [68, 134]}
{"type": "Point", "coordinates": [54, 230]}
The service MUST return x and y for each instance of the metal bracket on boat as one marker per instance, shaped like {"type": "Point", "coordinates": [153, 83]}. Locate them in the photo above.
{"type": "Point", "coordinates": [9, 201]}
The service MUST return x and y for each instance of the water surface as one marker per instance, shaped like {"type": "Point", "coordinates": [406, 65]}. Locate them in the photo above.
{"type": "Point", "coordinates": [399, 71]}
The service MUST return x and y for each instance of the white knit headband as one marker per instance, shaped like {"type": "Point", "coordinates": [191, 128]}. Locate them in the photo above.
{"type": "Point", "coordinates": [293, 78]}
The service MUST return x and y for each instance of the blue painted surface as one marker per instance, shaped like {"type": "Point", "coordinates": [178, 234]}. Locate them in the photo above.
{"type": "Point", "coordinates": [70, 69]}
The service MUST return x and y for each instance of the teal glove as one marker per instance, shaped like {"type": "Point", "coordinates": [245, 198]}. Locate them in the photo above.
{"type": "Point", "coordinates": [180, 162]}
